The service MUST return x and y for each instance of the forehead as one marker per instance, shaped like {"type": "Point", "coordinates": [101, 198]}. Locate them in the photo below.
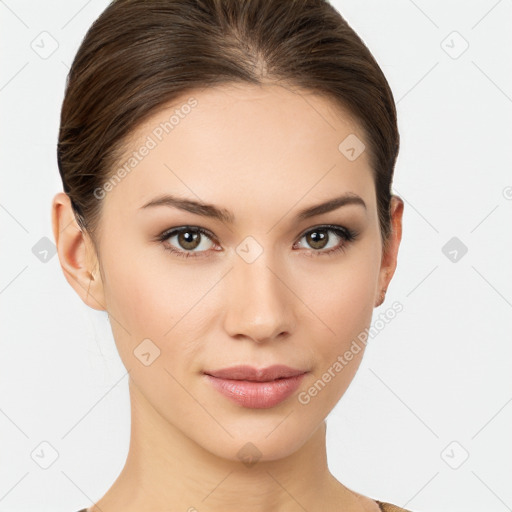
{"type": "Point", "coordinates": [244, 146]}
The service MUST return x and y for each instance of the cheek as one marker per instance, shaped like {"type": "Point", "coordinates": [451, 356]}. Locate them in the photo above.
{"type": "Point", "coordinates": [146, 290]}
{"type": "Point", "coordinates": [158, 300]}
{"type": "Point", "coordinates": [342, 300]}
{"type": "Point", "coordinates": [152, 320]}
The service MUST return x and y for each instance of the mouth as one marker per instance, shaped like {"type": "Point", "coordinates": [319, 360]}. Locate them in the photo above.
{"type": "Point", "coordinates": [256, 388]}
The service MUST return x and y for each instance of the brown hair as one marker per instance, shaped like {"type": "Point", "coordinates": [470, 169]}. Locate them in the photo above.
{"type": "Point", "coordinates": [140, 55]}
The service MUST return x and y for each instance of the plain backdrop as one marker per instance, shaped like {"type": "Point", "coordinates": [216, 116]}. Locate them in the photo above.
{"type": "Point", "coordinates": [426, 423]}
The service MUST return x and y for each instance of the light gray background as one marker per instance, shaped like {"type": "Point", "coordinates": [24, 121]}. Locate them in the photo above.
{"type": "Point", "coordinates": [435, 384]}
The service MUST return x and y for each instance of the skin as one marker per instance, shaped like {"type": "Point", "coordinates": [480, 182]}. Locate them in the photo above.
{"type": "Point", "coordinates": [263, 153]}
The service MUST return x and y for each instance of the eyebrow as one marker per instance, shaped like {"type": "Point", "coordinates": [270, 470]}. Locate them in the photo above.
{"type": "Point", "coordinates": [214, 212]}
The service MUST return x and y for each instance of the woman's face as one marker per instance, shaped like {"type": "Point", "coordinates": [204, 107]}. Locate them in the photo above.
{"type": "Point", "coordinates": [259, 285]}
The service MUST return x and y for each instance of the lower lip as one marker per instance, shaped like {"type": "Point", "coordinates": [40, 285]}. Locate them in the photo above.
{"type": "Point", "coordinates": [257, 395]}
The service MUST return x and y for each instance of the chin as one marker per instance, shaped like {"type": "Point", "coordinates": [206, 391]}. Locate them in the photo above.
{"type": "Point", "coordinates": [268, 440]}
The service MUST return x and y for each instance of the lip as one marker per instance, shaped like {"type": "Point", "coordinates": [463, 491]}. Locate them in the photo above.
{"type": "Point", "coordinates": [256, 388]}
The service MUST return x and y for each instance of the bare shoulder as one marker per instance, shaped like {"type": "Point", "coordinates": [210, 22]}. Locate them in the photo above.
{"type": "Point", "coordinates": [388, 507]}
{"type": "Point", "coordinates": [369, 505]}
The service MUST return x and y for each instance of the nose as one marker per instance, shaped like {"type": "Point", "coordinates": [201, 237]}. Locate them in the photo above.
{"type": "Point", "coordinates": [260, 306]}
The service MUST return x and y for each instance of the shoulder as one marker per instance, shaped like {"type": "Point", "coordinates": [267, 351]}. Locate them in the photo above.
{"type": "Point", "coordinates": [388, 507]}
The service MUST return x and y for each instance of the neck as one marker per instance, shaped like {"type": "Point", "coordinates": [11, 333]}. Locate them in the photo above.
{"type": "Point", "coordinates": [166, 470]}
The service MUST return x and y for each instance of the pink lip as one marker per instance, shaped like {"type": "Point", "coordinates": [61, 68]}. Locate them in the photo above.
{"type": "Point", "coordinates": [256, 388]}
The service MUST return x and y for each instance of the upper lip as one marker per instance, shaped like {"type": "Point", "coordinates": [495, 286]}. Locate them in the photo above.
{"type": "Point", "coordinates": [245, 372]}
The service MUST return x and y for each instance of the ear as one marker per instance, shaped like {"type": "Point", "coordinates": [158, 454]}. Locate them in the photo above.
{"type": "Point", "coordinates": [77, 254]}
{"type": "Point", "coordinates": [390, 251]}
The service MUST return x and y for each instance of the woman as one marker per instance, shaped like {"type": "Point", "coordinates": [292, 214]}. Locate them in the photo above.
{"type": "Point", "coordinates": [227, 170]}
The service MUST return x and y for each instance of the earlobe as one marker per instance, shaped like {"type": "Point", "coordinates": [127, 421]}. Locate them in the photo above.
{"type": "Point", "coordinates": [76, 253]}
{"type": "Point", "coordinates": [390, 253]}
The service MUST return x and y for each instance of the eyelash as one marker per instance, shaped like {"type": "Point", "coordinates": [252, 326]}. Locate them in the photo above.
{"type": "Point", "coordinates": [347, 235]}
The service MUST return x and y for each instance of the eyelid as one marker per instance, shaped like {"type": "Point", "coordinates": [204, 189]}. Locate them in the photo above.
{"type": "Point", "coordinates": [348, 235]}
{"type": "Point", "coordinates": [172, 231]}
{"type": "Point", "coordinates": [167, 233]}
{"type": "Point", "coordinates": [327, 227]}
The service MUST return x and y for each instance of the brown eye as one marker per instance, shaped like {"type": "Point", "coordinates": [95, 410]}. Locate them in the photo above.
{"type": "Point", "coordinates": [317, 239]}
{"type": "Point", "coordinates": [327, 239]}
{"type": "Point", "coordinates": [189, 240]}
{"type": "Point", "coordinates": [185, 241]}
